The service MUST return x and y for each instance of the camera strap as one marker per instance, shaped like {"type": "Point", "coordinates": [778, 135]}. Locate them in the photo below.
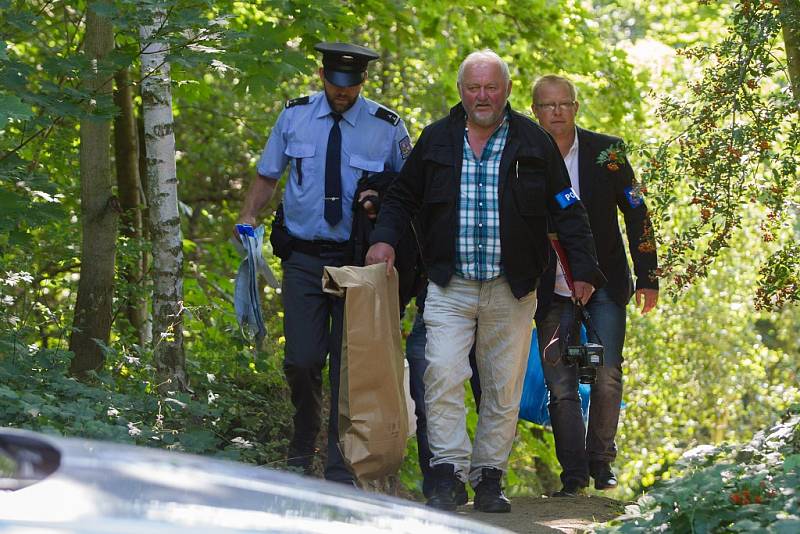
{"type": "Point", "coordinates": [579, 313]}
{"type": "Point", "coordinates": [581, 316]}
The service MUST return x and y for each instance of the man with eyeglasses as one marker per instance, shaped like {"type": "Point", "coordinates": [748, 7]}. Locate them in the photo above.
{"type": "Point", "coordinates": [604, 180]}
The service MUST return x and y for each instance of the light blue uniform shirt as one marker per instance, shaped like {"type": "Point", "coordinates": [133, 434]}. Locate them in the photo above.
{"type": "Point", "coordinates": [370, 143]}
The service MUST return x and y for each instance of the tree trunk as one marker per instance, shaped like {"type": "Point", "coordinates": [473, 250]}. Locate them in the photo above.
{"type": "Point", "coordinates": [126, 153]}
{"type": "Point", "coordinates": [99, 214]}
{"type": "Point", "coordinates": [162, 194]}
{"type": "Point", "coordinates": [791, 38]}
{"type": "Point", "coordinates": [143, 188]}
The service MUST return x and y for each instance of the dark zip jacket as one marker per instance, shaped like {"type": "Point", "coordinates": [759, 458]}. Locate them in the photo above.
{"type": "Point", "coordinates": [411, 277]}
{"type": "Point", "coordinates": [532, 175]}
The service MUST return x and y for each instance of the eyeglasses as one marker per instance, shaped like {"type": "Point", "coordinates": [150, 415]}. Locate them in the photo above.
{"type": "Point", "coordinates": [552, 106]}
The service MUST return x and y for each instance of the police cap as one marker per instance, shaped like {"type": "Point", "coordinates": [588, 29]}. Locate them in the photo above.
{"type": "Point", "coordinates": [345, 64]}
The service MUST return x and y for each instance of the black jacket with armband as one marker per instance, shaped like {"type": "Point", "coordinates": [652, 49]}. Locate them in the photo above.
{"type": "Point", "coordinates": [534, 187]}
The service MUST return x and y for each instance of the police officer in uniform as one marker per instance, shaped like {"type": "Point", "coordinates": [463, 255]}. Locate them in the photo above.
{"type": "Point", "coordinates": [329, 140]}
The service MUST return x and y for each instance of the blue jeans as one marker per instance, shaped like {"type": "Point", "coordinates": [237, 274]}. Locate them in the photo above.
{"type": "Point", "coordinates": [415, 354]}
{"type": "Point", "coordinates": [582, 451]}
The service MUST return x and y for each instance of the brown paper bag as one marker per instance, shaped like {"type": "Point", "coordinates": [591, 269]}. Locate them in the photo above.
{"type": "Point", "coordinates": [373, 421]}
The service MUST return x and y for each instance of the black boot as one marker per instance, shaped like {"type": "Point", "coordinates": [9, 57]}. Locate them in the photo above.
{"type": "Point", "coordinates": [489, 496]}
{"type": "Point", "coordinates": [301, 458]}
{"type": "Point", "coordinates": [569, 489]}
{"type": "Point", "coordinates": [444, 490]}
{"type": "Point", "coordinates": [461, 493]}
{"type": "Point", "coordinates": [604, 477]}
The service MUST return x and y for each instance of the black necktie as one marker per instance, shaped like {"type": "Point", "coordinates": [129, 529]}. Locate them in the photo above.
{"type": "Point", "coordinates": [333, 173]}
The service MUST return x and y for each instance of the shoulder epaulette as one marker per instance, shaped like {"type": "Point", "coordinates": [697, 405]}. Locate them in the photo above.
{"type": "Point", "coordinates": [300, 101]}
{"type": "Point", "coordinates": [389, 116]}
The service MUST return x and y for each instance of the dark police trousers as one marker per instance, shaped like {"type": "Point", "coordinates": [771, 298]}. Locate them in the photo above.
{"type": "Point", "coordinates": [312, 325]}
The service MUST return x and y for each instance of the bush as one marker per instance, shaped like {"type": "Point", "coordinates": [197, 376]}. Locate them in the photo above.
{"type": "Point", "coordinates": [242, 416]}
{"type": "Point", "coordinates": [750, 488]}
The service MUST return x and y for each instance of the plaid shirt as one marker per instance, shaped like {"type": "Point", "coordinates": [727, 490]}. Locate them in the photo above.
{"type": "Point", "coordinates": [478, 247]}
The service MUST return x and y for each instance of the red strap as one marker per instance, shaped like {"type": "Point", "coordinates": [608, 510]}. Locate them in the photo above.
{"type": "Point", "coordinates": [562, 259]}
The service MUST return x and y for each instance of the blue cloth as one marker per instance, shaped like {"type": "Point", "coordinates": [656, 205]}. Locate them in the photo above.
{"type": "Point", "coordinates": [246, 299]}
{"type": "Point", "coordinates": [533, 405]}
{"type": "Point", "coordinates": [478, 244]}
{"type": "Point", "coordinates": [373, 140]}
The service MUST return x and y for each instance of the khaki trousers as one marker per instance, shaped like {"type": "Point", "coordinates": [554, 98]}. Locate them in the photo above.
{"type": "Point", "coordinates": [456, 316]}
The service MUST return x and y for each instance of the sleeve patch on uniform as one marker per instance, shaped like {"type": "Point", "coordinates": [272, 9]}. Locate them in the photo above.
{"type": "Point", "coordinates": [634, 196]}
{"type": "Point", "coordinates": [300, 101]}
{"type": "Point", "coordinates": [405, 147]}
{"type": "Point", "coordinates": [389, 116]}
{"type": "Point", "coordinates": [566, 198]}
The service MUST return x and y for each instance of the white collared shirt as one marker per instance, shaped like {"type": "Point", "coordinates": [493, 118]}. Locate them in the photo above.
{"type": "Point", "coordinates": [571, 161]}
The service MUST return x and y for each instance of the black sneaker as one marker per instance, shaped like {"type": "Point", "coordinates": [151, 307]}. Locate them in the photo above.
{"type": "Point", "coordinates": [460, 494]}
{"type": "Point", "coordinates": [604, 477]}
{"type": "Point", "coordinates": [569, 490]}
{"type": "Point", "coordinates": [489, 496]}
{"type": "Point", "coordinates": [444, 490]}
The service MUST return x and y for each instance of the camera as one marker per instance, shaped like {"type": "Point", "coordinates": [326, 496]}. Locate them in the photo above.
{"type": "Point", "coordinates": [588, 357]}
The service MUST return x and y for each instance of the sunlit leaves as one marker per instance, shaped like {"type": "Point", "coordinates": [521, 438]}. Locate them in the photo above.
{"type": "Point", "coordinates": [779, 278]}
{"type": "Point", "coordinates": [749, 488]}
{"type": "Point", "coordinates": [738, 131]}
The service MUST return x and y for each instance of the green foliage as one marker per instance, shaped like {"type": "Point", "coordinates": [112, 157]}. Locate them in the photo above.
{"type": "Point", "coordinates": [27, 200]}
{"type": "Point", "coordinates": [533, 467]}
{"type": "Point", "coordinates": [735, 143]}
{"type": "Point", "coordinates": [779, 277]}
{"type": "Point", "coordinates": [750, 488]}
{"type": "Point", "coordinates": [234, 63]}
{"type": "Point", "coordinates": [732, 365]}
{"type": "Point", "coordinates": [238, 409]}
{"type": "Point", "coordinates": [239, 416]}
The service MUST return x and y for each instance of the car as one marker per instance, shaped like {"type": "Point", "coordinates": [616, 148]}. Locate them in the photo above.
{"type": "Point", "coordinates": [52, 484]}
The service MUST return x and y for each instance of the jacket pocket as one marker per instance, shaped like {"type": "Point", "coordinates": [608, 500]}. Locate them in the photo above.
{"type": "Point", "coordinates": [439, 176]}
{"type": "Point", "coordinates": [301, 155]}
{"type": "Point", "coordinates": [530, 186]}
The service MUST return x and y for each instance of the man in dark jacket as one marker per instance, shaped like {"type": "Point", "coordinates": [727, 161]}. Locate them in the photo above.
{"type": "Point", "coordinates": [483, 182]}
{"type": "Point", "coordinates": [604, 181]}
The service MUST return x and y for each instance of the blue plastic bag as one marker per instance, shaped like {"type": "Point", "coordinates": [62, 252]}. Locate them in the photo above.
{"type": "Point", "coordinates": [246, 300]}
{"type": "Point", "coordinates": [533, 404]}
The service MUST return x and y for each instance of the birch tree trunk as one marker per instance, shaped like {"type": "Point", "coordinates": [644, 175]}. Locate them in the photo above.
{"type": "Point", "coordinates": [162, 196]}
{"type": "Point", "coordinates": [99, 214]}
{"type": "Point", "coordinates": [126, 157]}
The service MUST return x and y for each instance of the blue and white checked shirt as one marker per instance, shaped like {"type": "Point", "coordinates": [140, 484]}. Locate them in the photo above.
{"type": "Point", "coordinates": [478, 247]}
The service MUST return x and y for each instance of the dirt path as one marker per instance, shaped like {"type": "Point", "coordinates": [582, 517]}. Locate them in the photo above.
{"type": "Point", "coordinates": [542, 515]}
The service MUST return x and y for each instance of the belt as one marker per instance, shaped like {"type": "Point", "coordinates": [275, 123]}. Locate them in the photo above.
{"type": "Point", "coordinates": [318, 247]}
